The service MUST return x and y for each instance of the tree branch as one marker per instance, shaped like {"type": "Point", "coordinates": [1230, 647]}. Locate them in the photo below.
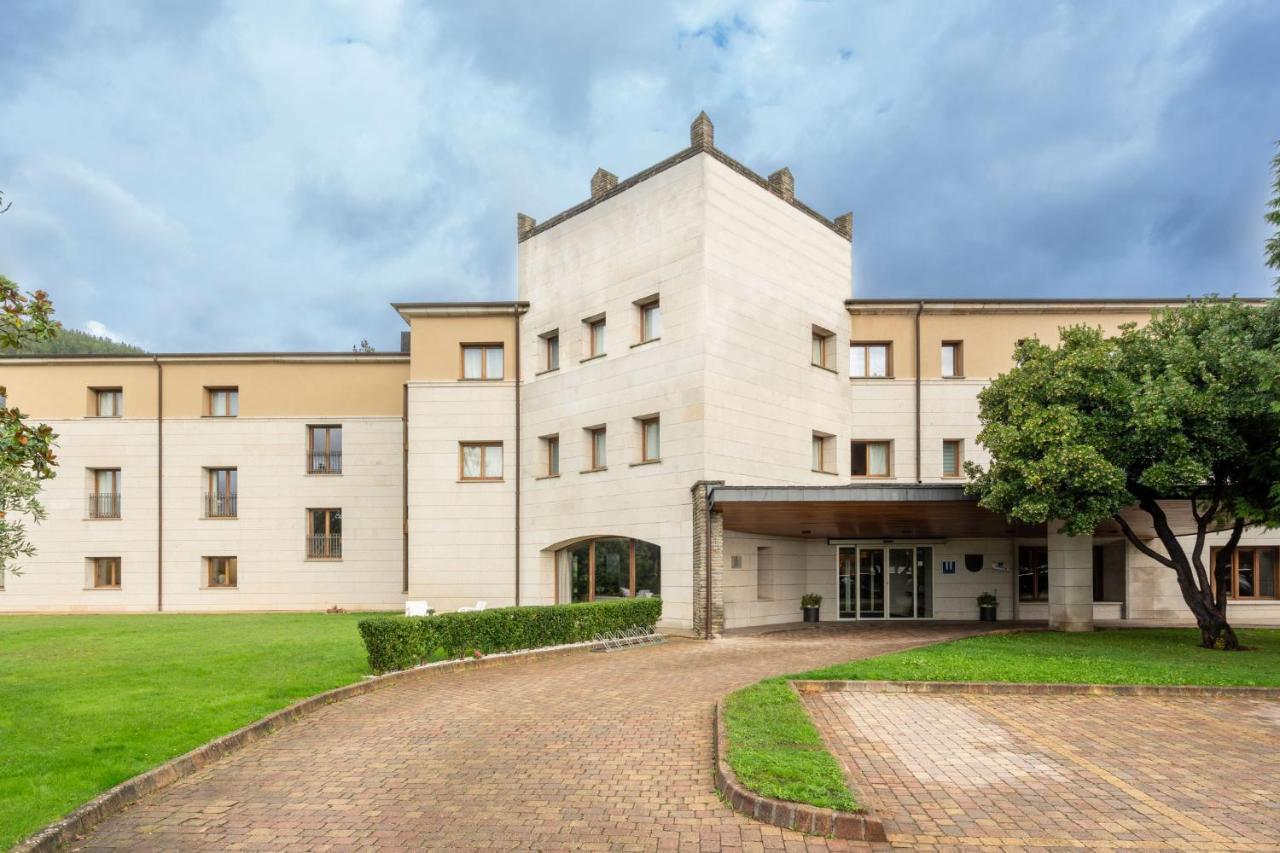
{"type": "Point", "coordinates": [1143, 546]}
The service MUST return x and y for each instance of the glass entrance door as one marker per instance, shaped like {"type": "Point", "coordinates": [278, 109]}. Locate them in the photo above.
{"type": "Point", "coordinates": [846, 577]}
{"type": "Point", "coordinates": [870, 583]}
{"type": "Point", "coordinates": [902, 594]}
{"type": "Point", "coordinates": [885, 582]}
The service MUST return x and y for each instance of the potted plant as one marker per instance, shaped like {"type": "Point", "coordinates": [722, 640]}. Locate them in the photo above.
{"type": "Point", "coordinates": [987, 607]}
{"type": "Point", "coordinates": [809, 603]}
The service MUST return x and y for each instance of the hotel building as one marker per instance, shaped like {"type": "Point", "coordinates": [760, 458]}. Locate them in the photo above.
{"type": "Point", "coordinates": [683, 401]}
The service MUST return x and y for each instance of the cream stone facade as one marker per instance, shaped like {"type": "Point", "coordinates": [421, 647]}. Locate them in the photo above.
{"type": "Point", "coordinates": [683, 400]}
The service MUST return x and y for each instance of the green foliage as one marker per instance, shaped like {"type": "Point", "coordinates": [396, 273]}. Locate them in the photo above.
{"type": "Point", "coordinates": [1273, 217]}
{"type": "Point", "coordinates": [400, 642]}
{"type": "Point", "coordinates": [1185, 407]}
{"type": "Point", "coordinates": [775, 750]}
{"type": "Point", "coordinates": [810, 599]}
{"type": "Point", "coordinates": [76, 342]}
{"type": "Point", "coordinates": [987, 599]}
{"type": "Point", "coordinates": [1107, 656]}
{"type": "Point", "coordinates": [26, 452]}
{"type": "Point", "coordinates": [89, 701]}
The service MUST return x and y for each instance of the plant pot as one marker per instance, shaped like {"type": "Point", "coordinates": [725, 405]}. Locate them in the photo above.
{"type": "Point", "coordinates": [987, 612]}
{"type": "Point", "coordinates": [810, 614]}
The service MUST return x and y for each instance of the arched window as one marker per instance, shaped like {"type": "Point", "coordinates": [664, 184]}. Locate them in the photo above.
{"type": "Point", "coordinates": [608, 568]}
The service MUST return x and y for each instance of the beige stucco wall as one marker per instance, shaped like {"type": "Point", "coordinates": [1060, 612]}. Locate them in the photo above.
{"type": "Point", "coordinates": [267, 536]}
{"type": "Point", "coordinates": [988, 331]}
{"type": "Point", "coordinates": [277, 387]}
{"type": "Point", "coordinates": [436, 348]}
{"type": "Point", "coordinates": [461, 534]}
{"type": "Point", "coordinates": [647, 241]}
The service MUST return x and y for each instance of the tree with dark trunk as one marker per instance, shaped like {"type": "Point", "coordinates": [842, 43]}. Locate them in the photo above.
{"type": "Point", "coordinates": [1184, 409]}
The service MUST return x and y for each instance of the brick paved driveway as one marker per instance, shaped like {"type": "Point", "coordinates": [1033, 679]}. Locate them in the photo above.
{"type": "Point", "coordinates": [588, 751]}
{"type": "Point", "coordinates": [1062, 772]}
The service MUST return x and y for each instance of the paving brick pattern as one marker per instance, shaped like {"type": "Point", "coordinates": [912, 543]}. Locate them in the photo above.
{"type": "Point", "coordinates": [1062, 772]}
{"type": "Point", "coordinates": [582, 752]}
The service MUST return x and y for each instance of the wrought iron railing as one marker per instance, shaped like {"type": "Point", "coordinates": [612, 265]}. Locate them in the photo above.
{"type": "Point", "coordinates": [104, 505]}
{"type": "Point", "coordinates": [220, 505]}
{"type": "Point", "coordinates": [325, 463]}
{"type": "Point", "coordinates": [319, 545]}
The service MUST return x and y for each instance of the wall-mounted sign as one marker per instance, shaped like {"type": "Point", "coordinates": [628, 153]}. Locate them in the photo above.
{"type": "Point", "coordinates": [948, 567]}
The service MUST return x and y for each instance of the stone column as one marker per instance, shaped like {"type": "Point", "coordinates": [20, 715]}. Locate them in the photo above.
{"type": "Point", "coordinates": [1070, 580]}
{"type": "Point", "coordinates": [702, 572]}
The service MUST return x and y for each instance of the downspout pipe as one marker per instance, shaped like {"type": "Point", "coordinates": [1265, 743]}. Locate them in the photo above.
{"type": "Point", "coordinates": [919, 472]}
{"type": "Point", "coordinates": [515, 318]}
{"type": "Point", "coordinates": [159, 484]}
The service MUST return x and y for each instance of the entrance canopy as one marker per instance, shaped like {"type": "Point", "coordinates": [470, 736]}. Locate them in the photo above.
{"type": "Point", "coordinates": [892, 511]}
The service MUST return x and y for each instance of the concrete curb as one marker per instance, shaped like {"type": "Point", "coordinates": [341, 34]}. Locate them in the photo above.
{"type": "Point", "coordinates": [114, 799]}
{"type": "Point", "coordinates": [852, 826]}
{"type": "Point", "coordinates": [1004, 688]}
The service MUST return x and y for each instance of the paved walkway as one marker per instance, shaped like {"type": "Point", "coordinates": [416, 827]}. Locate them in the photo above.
{"type": "Point", "coordinates": [588, 751]}
{"type": "Point", "coordinates": [1062, 772]}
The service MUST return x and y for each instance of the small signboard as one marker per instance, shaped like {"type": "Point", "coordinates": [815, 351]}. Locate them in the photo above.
{"type": "Point", "coordinates": [948, 567]}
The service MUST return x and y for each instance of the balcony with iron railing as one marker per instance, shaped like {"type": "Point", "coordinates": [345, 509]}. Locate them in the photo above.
{"type": "Point", "coordinates": [220, 505]}
{"type": "Point", "coordinates": [320, 462]}
{"type": "Point", "coordinates": [322, 547]}
{"type": "Point", "coordinates": [103, 505]}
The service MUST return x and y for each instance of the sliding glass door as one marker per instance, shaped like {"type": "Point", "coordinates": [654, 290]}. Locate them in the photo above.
{"type": "Point", "coordinates": [879, 582]}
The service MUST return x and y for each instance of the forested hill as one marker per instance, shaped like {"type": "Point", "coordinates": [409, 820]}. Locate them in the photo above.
{"type": "Point", "coordinates": [76, 342]}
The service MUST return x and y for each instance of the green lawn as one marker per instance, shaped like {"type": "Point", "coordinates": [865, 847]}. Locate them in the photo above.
{"type": "Point", "coordinates": [775, 749]}
{"type": "Point", "coordinates": [1116, 656]}
{"type": "Point", "coordinates": [88, 701]}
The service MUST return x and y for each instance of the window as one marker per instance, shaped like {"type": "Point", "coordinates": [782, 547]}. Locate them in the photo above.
{"type": "Point", "coordinates": [551, 350]}
{"type": "Point", "coordinates": [650, 320]}
{"type": "Point", "coordinates": [595, 337]}
{"type": "Point", "coordinates": [597, 448]}
{"type": "Point", "coordinates": [220, 572]}
{"type": "Point", "coordinates": [220, 496]}
{"type": "Point", "coordinates": [107, 402]}
{"type": "Point", "coordinates": [1253, 572]}
{"type": "Point", "coordinates": [551, 451]}
{"type": "Point", "coordinates": [603, 569]}
{"type": "Point", "coordinates": [482, 361]}
{"type": "Point", "coordinates": [481, 460]}
{"type": "Point", "coordinates": [870, 360]}
{"type": "Point", "coordinates": [823, 348]}
{"type": "Point", "coordinates": [952, 359]}
{"type": "Point", "coordinates": [650, 439]}
{"type": "Point", "coordinates": [104, 493]}
{"type": "Point", "coordinates": [824, 457]}
{"type": "Point", "coordinates": [870, 458]}
{"type": "Point", "coordinates": [952, 457]}
{"type": "Point", "coordinates": [1033, 574]}
{"type": "Point", "coordinates": [105, 572]}
{"type": "Point", "coordinates": [223, 402]}
{"type": "Point", "coordinates": [324, 534]}
{"type": "Point", "coordinates": [324, 450]}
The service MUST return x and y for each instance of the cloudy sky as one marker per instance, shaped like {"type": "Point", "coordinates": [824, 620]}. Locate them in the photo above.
{"type": "Point", "coordinates": [247, 175]}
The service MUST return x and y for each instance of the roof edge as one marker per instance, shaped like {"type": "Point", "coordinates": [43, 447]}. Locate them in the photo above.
{"type": "Point", "coordinates": [459, 309]}
{"type": "Point", "coordinates": [662, 166]}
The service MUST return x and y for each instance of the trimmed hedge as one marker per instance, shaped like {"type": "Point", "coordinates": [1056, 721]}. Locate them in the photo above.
{"type": "Point", "coordinates": [400, 642]}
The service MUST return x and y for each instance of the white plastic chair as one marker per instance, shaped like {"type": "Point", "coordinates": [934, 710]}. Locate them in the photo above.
{"type": "Point", "coordinates": [417, 608]}
{"type": "Point", "coordinates": [480, 605]}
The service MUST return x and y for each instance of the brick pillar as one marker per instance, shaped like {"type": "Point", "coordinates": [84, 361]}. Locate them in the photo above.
{"type": "Point", "coordinates": [1070, 580]}
{"type": "Point", "coordinates": [783, 184]}
{"type": "Point", "coordinates": [702, 573]}
{"type": "Point", "coordinates": [602, 182]}
{"type": "Point", "coordinates": [524, 224]}
{"type": "Point", "coordinates": [702, 134]}
{"type": "Point", "coordinates": [844, 224]}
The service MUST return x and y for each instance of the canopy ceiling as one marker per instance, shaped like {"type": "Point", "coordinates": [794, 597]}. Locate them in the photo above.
{"type": "Point", "coordinates": [892, 511]}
